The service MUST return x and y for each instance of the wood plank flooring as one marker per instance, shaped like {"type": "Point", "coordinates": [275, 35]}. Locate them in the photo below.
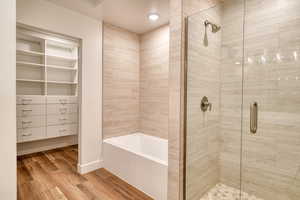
{"type": "Point", "coordinates": [52, 175]}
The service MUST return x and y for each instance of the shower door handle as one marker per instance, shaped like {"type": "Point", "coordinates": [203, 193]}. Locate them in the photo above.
{"type": "Point", "coordinates": [253, 117]}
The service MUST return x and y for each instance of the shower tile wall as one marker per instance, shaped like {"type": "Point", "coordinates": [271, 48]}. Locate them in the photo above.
{"type": "Point", "coordinates": [175, 135]}
{"type": "Point", "coordinates": [178, 10]}
{"type": "Point", "coordinates": [120, 81]}
{"type": "Point", "coordinates": [203, 141]}
{"type": "Point", "coordinates": [231, 92]}
{"type": "Point", "coordinates": [194, 6]}
{"type": "Point", "coordinates": [154, 80]}
{"type": "Point", "coordinates": [271, 158]}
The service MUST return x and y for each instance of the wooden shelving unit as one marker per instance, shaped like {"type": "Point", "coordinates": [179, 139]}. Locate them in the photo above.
{"type": "Point", "coordinates": [61, 68]}
{"type": "Point", "coordinates": [29, 53]}
{"type": "Point", "coordinates": [28, 64]}
{"type": "Point", "coordinates": [47, 85]}
{"type": "Point", "coordinates": [31, 80]}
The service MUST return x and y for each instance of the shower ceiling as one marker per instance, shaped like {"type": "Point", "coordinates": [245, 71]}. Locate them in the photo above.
{"type": "Point", "coordinates": [129, 14]}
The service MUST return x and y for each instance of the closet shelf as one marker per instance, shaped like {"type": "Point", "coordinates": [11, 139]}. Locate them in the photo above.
{"type": "Point", "coordinates": [54, 59]}
{"type": "Point", "coordinates": [31, 80]}
{"type": "Point", "coordinates": [62, 82]}
{"type": "Point", "coordinates": [30, 37]}
{"type": "Point", "coordinates": [61, 67]}
{"type": "Point", "coordinates": [58, 43]}
{"type": "Point", "coordinates": [65, 95]}
{"type": "Point", "coordinates": [29, 53]}
{"type": "Point", "coordinates": [29, 64]}
{"type": "Point", "coordinates": [62, 58]}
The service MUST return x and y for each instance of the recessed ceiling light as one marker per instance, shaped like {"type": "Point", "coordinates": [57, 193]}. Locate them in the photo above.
{"type": "Point", "coordinates": [153, 17]}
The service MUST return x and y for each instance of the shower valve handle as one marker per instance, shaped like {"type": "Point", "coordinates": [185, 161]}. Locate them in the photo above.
{"type": "Point", "coordinates": [205, 104]}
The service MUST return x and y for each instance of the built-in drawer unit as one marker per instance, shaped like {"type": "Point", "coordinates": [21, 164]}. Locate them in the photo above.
{"type": "Point", "coordinates": [61, 109]}
{"type": "Point", "coordinates": [61, 100]}
{"type": "Point", "coordinates": [31, 122]}
{"type": "Point", "coordinates": [31, 134]}
{"type": "Point", "coordinates": [47, 83]}
{"type": "Point", "coordinates": [30, 99]}
{"type": "Point", "coordinates": [62, 119]}
{"type": "Point", "coordinates": [62, 130]}
{"type": "Point", "coordinates": [30, 110]}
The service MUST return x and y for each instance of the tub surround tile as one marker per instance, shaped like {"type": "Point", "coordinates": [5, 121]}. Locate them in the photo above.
{"type": "Point", "coordinates": [136, 69]}
{"type": "Point", "coordinates": [120, 81]}
{"type": "Point", "coordinates": [154, 82]}
{"type": "Point", "coordinates": [135, 87]}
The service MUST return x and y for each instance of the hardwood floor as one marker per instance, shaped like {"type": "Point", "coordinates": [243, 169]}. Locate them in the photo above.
{"type": "Point", "coordinates": [52, 175]}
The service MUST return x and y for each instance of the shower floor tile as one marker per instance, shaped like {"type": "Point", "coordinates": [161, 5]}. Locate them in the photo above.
{"type": "Point", "coordinates": [224, 192]}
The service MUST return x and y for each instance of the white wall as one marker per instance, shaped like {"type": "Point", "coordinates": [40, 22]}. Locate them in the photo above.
{"type": "Point", "coordinates": [45, 15]}
{"type": "Point", "coordinates": [7, 101]}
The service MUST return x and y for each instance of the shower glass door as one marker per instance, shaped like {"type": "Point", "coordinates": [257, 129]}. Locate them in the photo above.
{"type": "Point", "coordinates": [271, 154]}
{"type": "Point", "coordinates": [214, 102]}
{"type": "Point", "coordinates": [242, 119]}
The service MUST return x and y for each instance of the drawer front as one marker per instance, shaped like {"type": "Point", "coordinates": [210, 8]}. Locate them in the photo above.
{"type": "Point", "coordinates": [61, 100]}
{"type": "Point", "coordinates": [62, 130]}
{"type": "Point", "coordinates": [30, 110]}
{"type": "Point", "coordinates": [31, 134]}
{"type": "Point", "coordinates": [60, 109]}
{"type": "Point", "coordinates": [61, 119]}
{"type": "Point", "coordinates": [31, 122]}
{"type": "Point", "coordinates": [30, 99]}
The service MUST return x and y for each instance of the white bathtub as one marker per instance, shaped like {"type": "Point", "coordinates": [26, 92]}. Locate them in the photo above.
{"type": "Point", "coordinates": [140, 160]}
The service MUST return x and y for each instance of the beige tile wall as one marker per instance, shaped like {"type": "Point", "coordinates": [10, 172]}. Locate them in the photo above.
{"type": "Point", "coordinates": [271, 158]}
{"type": "Point", "coordinates": [136, 69]}
{"type": "Point", "coordinates": [154, 81]}
{"type": "Point", "coordinates": [178, 10]}
{"type": "Point", "coordinates": [192, 7]}
{"type": "Point", "coordinates": [203, 128]}
{"type": "Point", "coordinates": [231, 92]}
{"type": "Point", "coordinates": [120, 81]}
{"type": "Point", "coordinates": [270, 164]}
{"type": "Point", "coordinates": [176, 106]}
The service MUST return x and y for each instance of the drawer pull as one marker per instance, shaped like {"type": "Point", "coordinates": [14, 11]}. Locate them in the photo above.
{"type": "Point", "coordinates": [26, 100]}
{"type": "Point", "coordinates": [63, 101]}
{"type": "Point", "coordinates": [26, 134]}
{"type": "Point", "coordinates": [63, 110]}
{"type": "Point", "coordinates": [63, 130]}
{"type": "Point", "coordinates": [63, 119]}
{"type": "Point", "coordinates": [27, 110]}
{"type": "Point", "coordinates": [29, 122]}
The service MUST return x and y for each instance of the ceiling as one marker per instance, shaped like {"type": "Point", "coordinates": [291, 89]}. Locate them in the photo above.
{"type": "Point", "coordinates": [128, 14]}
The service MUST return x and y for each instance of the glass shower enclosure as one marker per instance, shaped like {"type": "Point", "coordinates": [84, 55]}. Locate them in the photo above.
{"type": "Point", "coordinates": [242, 126]}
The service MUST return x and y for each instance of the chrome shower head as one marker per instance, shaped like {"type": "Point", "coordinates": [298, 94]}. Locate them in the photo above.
{"type": "Point", "coordinates": [214, 28]}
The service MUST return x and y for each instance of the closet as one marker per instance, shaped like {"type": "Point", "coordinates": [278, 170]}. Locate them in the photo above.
{"type": "Point", "coordinates": [47, 85]}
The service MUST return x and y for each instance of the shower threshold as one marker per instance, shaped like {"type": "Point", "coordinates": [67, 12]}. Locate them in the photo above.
{"type": "Point", "coordinates": [224, 192]}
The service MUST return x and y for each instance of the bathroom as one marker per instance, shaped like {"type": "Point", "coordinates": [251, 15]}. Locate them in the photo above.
{"type": "Point", "coordinates": [150, 99]}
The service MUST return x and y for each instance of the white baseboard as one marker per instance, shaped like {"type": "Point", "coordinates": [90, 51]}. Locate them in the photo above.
{"type": "Point", "coordinates": [89, 167]}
